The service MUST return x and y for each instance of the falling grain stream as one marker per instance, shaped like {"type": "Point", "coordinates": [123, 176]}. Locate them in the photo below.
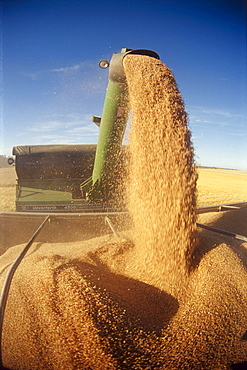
{"type": "Point", "coordinates": [160, 296]}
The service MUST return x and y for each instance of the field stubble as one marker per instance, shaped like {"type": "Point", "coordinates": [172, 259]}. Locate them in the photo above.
{"type": "Point", "coordinates": [219, 186]}
{"type": "Point", "coordinates": [7, 189]}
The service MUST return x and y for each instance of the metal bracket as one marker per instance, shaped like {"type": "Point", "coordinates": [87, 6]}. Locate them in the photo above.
{"type": "Point", "coordinates": [108, 221]}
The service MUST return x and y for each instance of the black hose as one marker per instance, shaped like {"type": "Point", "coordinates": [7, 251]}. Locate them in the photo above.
{"type": "Point", "coordinates": [7, 282]}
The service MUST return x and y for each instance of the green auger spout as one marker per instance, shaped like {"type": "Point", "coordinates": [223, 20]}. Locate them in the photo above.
{"type": "Point", "coordinates": [112, 127]}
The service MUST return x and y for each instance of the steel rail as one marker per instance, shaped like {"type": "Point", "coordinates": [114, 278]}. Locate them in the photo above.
{"type": "Point", "coordinates": [57, 215]}
{"type": "Point", "coordinates": [228, 233]}
{"type": "Point", "coordinates": [7, 283]}
{"type": "Point", "coordinates": [221, 207]}
{"type": "Point", "coordinates": [60, 215]}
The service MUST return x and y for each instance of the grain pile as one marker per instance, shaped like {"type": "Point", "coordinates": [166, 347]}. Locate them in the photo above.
{"type": "Point", "coordinates": [160, 301]}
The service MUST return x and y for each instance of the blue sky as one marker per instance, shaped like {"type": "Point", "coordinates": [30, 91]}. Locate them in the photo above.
{"type": "Point", "coordinates": [51, 83]}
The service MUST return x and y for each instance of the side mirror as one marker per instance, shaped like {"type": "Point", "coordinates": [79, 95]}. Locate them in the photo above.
{"type": "Point", "coordinates": [10, 161]}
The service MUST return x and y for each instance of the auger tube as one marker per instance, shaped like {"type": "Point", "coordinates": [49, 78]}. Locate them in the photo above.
{"type": "Point", "coordinates": [112, 127]}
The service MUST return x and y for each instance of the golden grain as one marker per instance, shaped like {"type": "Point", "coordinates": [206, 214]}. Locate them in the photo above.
{"type": "Point", "coordinates": [152, 302]}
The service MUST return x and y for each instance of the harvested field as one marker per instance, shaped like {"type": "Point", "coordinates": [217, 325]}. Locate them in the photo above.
{"type": "Point", "coordinates": [163, 295]}
{"type": "Point", "coordinates": [7, 176]}
{"type": "Point", "coordinates": [219, 186]}
{"type": "Point", "coordinates": [7, 189]}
